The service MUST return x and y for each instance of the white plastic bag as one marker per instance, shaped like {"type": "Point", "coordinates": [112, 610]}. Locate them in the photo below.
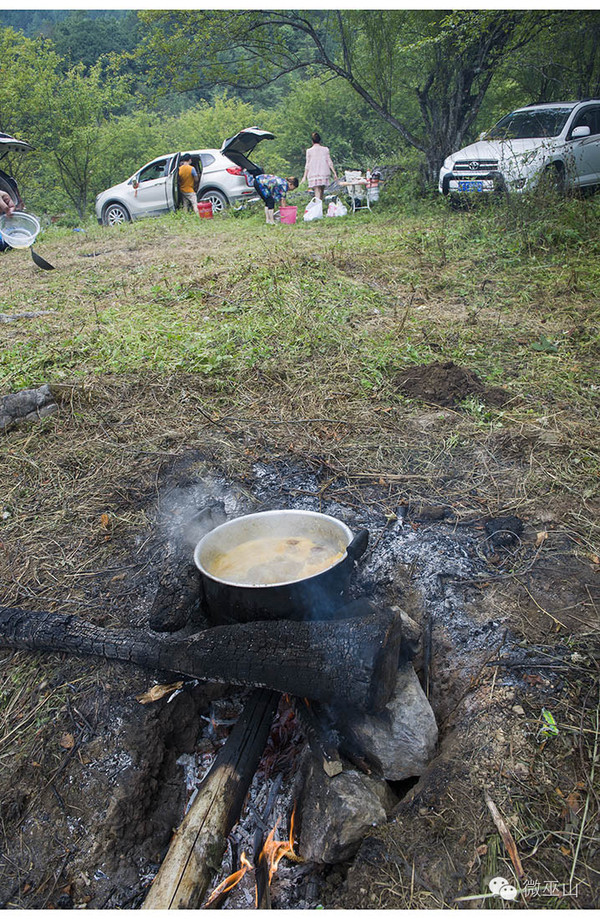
{"type": "Point", "coordinates": [314, 209]}
{"type": "Point", "coordinates": [337, 209]}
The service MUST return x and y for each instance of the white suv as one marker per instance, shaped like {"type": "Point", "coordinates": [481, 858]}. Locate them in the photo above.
{"type": "Point", "coordinates": [153, 191]}
{"type": "Point", "coordinates": [558, 141]}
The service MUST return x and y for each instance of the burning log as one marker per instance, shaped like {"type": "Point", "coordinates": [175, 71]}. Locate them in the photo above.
{"type": "Point", "coordinates": [353, 661]}
{"type": "Point", "coordinates": [261, 873]}
{"type": "Point", "coordinates": [220, 893]}
{"type": "Point", "coordinates": [199, 843]}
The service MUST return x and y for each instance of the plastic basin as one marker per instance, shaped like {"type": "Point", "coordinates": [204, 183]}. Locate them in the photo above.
{"type": "Point", "coordinates": [19, 230]}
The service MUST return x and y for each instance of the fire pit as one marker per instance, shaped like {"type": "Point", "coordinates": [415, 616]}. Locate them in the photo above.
{"type": "Point", "coordinates": [338, 673]}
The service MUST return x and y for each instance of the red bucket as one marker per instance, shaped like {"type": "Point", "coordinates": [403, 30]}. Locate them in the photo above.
{"type": "Point", "coordinates": [205, 209]}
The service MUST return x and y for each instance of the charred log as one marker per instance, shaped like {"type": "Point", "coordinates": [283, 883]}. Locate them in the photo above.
{"type": "Point", "coordinates": [198, 845]}
{"type": "Point", "coordinates": [261, 872]}
{"type": "Point", "coordinates": [177, 599]}
{"type": "Point", "coordinates": [352, 661]}
{"type": "Point", "coordinates": [319, 736]}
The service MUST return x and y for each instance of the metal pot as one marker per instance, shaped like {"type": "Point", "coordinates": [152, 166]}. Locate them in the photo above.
{"type": "Point", "coordinates": [315, 597]}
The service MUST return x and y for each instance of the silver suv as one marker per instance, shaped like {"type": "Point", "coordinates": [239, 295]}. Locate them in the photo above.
{"type": "Point", "coordinates": [558, 142]}
{"type": "Point", "coordinates": [152, 190]}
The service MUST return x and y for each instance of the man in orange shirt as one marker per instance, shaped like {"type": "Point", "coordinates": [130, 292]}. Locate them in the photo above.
{"type": "Point", "coordinates": [188, 183]}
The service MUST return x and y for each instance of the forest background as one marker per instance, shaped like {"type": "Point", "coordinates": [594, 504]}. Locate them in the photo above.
{"type": "Point", "coordinates": [100, 93]}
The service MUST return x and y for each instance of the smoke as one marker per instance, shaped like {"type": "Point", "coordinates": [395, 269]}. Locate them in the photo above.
{"type": "Point", "coordinates": [187, 513]}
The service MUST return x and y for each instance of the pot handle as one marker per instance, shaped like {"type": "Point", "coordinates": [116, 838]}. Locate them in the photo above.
{"type": "Point", "coordinates": [358, 545]}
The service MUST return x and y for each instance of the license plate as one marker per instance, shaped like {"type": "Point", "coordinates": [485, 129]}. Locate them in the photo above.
{"type": "Point", "coordinates": [471, 186]}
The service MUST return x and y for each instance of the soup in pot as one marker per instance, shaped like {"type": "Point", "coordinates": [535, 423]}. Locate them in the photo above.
{"type": "Point", "coordinates": [272, 560]}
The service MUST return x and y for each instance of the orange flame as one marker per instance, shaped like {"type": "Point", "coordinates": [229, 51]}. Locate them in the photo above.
{"type": "Point", "coordinates": [230, 882]}
{"type": "Point", "coordinates": [274, 850]}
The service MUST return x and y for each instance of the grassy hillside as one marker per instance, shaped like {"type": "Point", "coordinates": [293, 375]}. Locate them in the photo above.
{"type": "Point", "coordinates": [320, 319]}
{"type": "Point", "coordinates": [419, 371]}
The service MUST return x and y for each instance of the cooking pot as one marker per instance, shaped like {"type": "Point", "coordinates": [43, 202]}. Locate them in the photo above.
{"type": "Point", "coordinates": [314, 597]}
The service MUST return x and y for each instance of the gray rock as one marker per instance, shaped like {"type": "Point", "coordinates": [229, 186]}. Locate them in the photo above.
{"type": "Point", "coordinates": [404, 735]}
{"type": "Point", "coordinates": [338, 812]}
{"type": "Point", "coordinates": [27, 405]}
{"type": "Point", "coordinates": [411, 630]}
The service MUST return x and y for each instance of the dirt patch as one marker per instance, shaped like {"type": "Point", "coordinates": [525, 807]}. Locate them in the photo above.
{"type": "Point", "coordinates": [447, 384]}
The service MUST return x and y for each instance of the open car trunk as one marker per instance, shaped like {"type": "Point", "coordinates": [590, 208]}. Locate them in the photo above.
{"type": "Point", "coordinates": [9, 144]}
{"type": "Point", "coordinates": [238, 147]}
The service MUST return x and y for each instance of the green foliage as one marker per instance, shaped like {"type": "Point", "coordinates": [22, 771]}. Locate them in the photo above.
{"type": "Point", "coordinates": [81, 39]}
{"type": "Point", "coordinates": [61, 114]}
{"type": "Point", "coordinates": [28, 76]}
{"type": "Point", "coordinates": [207, 125]}
{"type": "Point", "coordinates": [544, 344]}
{"type": "Point", "coordinates": [356, 136]}
{"type": "Point", "coordinates": [128, 142]}
{"type": "Point", "coordinates": [80, 103]}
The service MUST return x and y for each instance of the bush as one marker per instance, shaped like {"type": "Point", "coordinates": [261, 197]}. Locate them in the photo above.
{"type": "Point", "coordinates": [407, 186]}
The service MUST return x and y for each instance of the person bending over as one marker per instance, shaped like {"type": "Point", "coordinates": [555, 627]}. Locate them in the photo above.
{"type": "Point", "coordinates": [272, 189]}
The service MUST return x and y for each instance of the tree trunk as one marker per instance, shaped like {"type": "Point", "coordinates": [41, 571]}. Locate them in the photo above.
{"type": "Point", "coordinates": [354, 661]}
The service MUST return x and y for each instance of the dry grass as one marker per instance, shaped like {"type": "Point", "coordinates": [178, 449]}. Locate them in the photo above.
{"type": "Point", "coordinates": [230, 343]}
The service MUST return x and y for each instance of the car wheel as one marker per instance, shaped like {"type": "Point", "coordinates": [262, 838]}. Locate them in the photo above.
{"type": "Point", "coordinates": [552, 181]}
{"type": "Point", "coordinates": [217, 199]}
{"type": "Point", "coordinates": [115, 214]}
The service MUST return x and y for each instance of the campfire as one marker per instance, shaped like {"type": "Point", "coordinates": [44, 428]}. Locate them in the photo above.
{"type": "Point", "coordinates": [342, 682]}
{"type": "Point", "coordinates": [266, 863]}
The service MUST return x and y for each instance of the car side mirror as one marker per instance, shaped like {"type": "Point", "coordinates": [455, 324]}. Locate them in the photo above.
{"type": "Point", "coordinates": [581, 131]}
{"type": "Point", "coordinates": [135, 183]}
{"type": "Point", "coordinates": [482, 136]}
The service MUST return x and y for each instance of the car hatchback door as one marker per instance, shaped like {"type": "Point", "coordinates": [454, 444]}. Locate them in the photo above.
{"type": "Point", "coordinates": [238, 147]}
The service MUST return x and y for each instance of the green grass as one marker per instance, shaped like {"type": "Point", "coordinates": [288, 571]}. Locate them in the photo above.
{"type": "Point", "coordinates": [318, 319]}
